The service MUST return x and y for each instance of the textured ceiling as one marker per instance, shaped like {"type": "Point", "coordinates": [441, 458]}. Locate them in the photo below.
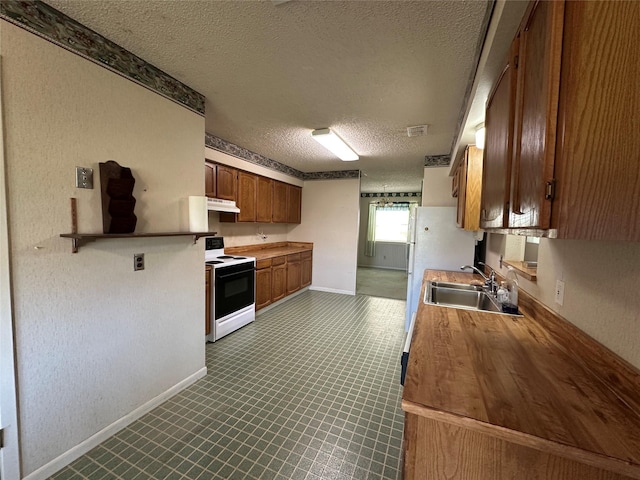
{"type": "Point", "coordinates": [271, 72]}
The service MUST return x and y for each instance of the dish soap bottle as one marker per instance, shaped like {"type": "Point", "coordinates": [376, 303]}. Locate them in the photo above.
{"type": "Point", "coordinates": [502, 294]}
{"type": "Point", "coordinates": [511, 305]}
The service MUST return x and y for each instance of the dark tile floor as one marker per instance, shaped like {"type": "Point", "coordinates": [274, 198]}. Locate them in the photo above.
{"type": "Point", "coordinates": [309, 391]}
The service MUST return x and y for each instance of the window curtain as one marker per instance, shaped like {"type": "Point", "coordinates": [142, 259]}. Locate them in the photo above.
{"type": "Point", "coordinates": [370, 244]}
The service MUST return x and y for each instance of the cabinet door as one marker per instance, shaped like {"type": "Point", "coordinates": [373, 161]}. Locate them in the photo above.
{"type": "Point", "coordinates": [306, 269]}
{"type": "Point", "coordinates": [293, 273]}
{"type": "Point", "coordinates": [226, 182]}
{"type": "Point", "coordinates": [498, 146]}
{"type": "Point", "coordinates": [265, 200]}
{"type": "Point", "coordinates": [598, 165]}
{"type": "Point", "coordinates": [247, 193]}
{"type": "Point", "coordinates": [279, 280]}
{"type": "Point", "coordinates": [263, 287]}
{"type": "Point", "coordinates": [461, 173]}
{"type": "Point", "coordinates": [207, 301]}
{"type": "Point", "coordinates": [210, 180]}
{"type": "Point", "coordinates": [536, 114]}
{"type": "Point", "coordinates": [473, 188]}
{"type": "Point", "coordinates": [279, 202]}
{"type": "Point", "coordinates": [294, 204]}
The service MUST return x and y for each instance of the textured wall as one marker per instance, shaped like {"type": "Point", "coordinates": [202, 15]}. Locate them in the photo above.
{"type": "Point", "coordinates": [436, 188]}
{"type": "Point", "coordinates": [601, 282]}
{"type": "Point", "coordinates": [95, 340]}
{"type": "Point", "coordinates": [330, 220]}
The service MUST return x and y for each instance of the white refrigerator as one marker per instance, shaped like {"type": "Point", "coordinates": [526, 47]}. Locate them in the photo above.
{"type": "Point", "coordinates": [435, 243]}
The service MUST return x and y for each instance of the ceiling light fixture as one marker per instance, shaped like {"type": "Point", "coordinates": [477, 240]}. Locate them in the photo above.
{"type": "Point", "coordinates": [334, 144]}
{"type": "Point", "coordinates": [480, 132]}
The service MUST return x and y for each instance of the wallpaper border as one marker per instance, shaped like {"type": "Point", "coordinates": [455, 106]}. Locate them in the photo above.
{"type": "Point", "coordinates": [437, 160]}
{"type": "Point", "coordinates": [242, 153]}
{"type": "Point", "coordinates": [50, 24]}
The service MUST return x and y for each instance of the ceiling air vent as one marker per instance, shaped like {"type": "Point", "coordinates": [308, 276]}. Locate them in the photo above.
{"type": "Point", "coordinates": [417, 131]}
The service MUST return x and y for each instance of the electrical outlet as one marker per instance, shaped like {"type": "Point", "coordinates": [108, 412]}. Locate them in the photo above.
{"type": "Point", "coordinates": [559, 292]}
{"type": "Point", "coordinates": [138, 261]}
{"type": "Point", "coordinates": [84, 177]}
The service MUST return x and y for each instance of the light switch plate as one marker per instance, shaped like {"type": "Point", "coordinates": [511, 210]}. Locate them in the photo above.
{"type": "Point", "coordinates": [84, 177]}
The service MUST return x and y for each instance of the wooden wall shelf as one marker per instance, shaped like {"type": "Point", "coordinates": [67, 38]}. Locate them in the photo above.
{"type": "Point", "coordinates": [527, 272]}
{"type": "Point", "coordinates": [80, 239]}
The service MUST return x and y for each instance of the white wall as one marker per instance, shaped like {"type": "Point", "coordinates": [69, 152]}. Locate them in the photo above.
{"type": "Point", "coordinates": [601, 287]}
{"type": "Point", "coordinates": [330, 220]}
{"type": "Point", "coordinates": [436, 188]}
{"type": "Point", "coordinates": [94, 339]}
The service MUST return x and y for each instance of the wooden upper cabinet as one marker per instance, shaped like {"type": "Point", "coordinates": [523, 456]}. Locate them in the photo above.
{"type": "Point", "coordinates": [294, 204]}
{"type": "Point", "coordinates": [598, 159]}
{"type": "Point", "coordinates": [264, 200]}
{"type": "Point", "coordinates": [461, 173]}
{"type": "Point", "coordinates": [470, 189]}
{"type": "Point", "coordinates": [536, 106]}
{"type": "Point", "coordinates": [279, 214]}
{"type": "Point", "coordinates": [260, 199]}
{"type": "Point", "coordinates": [498, 147]}
{"type": "Point", "coordinates": [210, 180]}
{"type": "Point", "coordinates": [227, 182]}
{"type": "Point", "coordinates": [247, 195]}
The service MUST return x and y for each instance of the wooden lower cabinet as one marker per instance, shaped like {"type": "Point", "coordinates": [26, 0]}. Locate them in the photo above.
{"type": "Point", "coordinates": [306, 265]}
{"type": "Point", "coordinates": [279, 279]}
{"type": "Point", "coordinates": [294, 279]}
{"type": "Point", "coordinates": [280, 276]}
{"type": "Point", "coordinates": [263, 283]}
{"type": "Point", "coordinates": [207, 300]}
{"type": "Point", "coordinates": [435, 449]}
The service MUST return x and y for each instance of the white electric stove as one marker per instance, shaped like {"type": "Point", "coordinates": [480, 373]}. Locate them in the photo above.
{"type": "Point", "coordinates": [233, 291]}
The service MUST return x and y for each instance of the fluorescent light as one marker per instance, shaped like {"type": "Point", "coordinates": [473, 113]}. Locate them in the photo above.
{"type": "Point", "coordinates": [334, 144]}
{"type": "Point", "coordinates": [480, 132]}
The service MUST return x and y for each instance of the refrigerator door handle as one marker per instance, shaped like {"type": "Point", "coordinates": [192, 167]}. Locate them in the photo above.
{"type": "Point", "coordinates": [412, 257]}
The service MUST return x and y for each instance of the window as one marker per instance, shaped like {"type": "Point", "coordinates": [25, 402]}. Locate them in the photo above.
{"type": "Point", "coordinates": [392, 223]}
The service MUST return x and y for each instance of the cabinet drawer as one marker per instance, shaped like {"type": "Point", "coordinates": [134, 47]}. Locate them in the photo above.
{"type": "Point", "coordinates": [278, 261]}
{"type": "Point", "coordinates": [260, 264]}
{"type": "Point", "coordinates": [294, 257]}
{"type": "Point", "coordinates": [305, 255]}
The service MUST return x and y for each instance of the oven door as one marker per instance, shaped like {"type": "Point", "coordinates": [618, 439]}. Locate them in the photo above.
{"type": "Point", "coordinates": [234, 288]}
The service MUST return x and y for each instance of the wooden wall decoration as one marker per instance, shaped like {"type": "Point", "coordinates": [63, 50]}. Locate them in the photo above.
{"type": "Point", "coordinates": [116, 183]}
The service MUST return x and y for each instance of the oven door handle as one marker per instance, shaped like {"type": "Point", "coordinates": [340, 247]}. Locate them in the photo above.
{"type": "Point", "coordinates": [235, 274]}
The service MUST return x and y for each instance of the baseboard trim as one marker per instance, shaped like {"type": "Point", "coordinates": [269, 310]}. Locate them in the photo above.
{"type": "Point", "coordinates": [333, 290]}
{"type": "Point", "coordinates": [94, 440]}
{"type": "Point", "coordinates": [380, 267]}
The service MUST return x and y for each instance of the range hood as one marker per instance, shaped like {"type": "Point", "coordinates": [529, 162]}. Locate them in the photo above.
{"type": "Point", "coordinates": [220, 205]}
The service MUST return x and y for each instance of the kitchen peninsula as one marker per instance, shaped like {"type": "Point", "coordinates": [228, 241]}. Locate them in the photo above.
{"type": "Point", "coordinates": [492, 396]}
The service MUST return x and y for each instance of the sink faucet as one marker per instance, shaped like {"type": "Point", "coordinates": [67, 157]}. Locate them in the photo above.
{"type": "Point", "coordinates": [489, 282]}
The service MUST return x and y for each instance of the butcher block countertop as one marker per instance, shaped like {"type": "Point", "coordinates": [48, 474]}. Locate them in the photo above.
{"type": "Point", "coordinates": [265, 251]}
{"type": "Point", "coordinates": [521, 379]}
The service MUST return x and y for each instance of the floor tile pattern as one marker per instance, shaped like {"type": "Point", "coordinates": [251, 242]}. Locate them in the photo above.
{"type": "Point", "coordinates": [309, 391]}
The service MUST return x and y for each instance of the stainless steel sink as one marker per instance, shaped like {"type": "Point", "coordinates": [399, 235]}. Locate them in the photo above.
{"type": "Point", "coordinates": [456, 286]}
{"type": "Point", "coordinates": [460, 295]}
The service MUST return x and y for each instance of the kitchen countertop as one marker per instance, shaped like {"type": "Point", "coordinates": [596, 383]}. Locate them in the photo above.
{"type": "Point", "coordinates": [512, 378]}
{"type": "Point", "coordinates": [265, 251]}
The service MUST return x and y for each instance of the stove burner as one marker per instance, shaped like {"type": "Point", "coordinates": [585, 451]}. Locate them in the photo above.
{"type": "Point", "coordinates": [214, 262]}
{"type": "Point", "coordinates": [239, 258]}
{"type": "Point", "coordinates": [225, 257]}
